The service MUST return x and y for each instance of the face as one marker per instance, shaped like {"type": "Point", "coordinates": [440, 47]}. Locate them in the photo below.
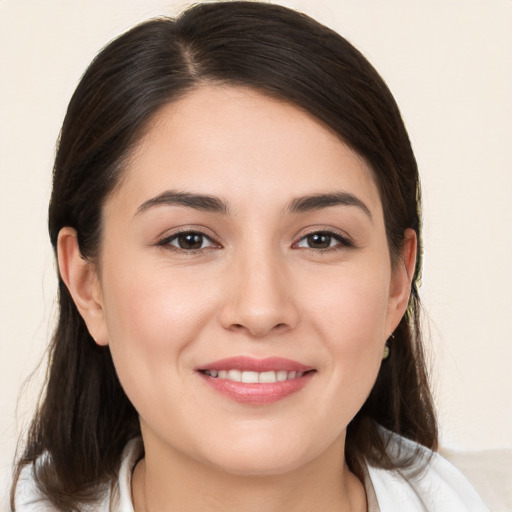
{"type": "Point", "coordinates": [244, 283]}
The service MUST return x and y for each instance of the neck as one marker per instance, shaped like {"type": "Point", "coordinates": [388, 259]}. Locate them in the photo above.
{"type": "Point", "coordinates": [167, 481]}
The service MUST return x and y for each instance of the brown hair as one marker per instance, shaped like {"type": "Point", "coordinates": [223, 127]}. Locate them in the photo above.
{"type": "Point", "coordinates": [85, 419]}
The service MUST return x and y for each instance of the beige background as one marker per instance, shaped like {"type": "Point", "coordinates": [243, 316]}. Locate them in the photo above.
{"type": "Point", "coordinates": [449, 64]}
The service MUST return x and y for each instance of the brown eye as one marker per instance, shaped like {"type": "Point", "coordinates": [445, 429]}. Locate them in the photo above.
{"type": "Point", "coordinates": [188, 241]}
{"type": "Point", "coordinates": [319, 241]}
{"type": "Point", "coordinates": [324, 240]}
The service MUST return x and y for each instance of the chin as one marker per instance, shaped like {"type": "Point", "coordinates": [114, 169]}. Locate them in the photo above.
{"type": "Point", "coordinates": [260, 465]}
{"type": "Point", "coordinates": [264, 456]}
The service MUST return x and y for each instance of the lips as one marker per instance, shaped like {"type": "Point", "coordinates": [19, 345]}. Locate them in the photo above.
{"type": "Point", "coordinates": [256, 381]}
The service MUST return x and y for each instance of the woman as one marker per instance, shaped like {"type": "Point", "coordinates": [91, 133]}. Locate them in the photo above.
{"type": "Point", "coordinates": [235, 214]}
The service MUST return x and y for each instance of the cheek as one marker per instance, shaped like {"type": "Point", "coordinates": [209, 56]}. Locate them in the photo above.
{"type": "Point", "coordinates": [352, 310]}
{"type": "Point", "coordinates": [350, 318]}
{"type": "Point", "coordinates": [152, 309]}
{"type": "Point", "coordinates": [153, 319]}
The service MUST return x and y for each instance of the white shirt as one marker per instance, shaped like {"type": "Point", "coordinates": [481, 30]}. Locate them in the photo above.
{"type": "Point", "coordinates": [440, 487]}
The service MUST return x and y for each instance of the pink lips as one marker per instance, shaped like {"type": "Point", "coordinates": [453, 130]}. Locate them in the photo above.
{"type": "Point", "coordinates": [259, 393]}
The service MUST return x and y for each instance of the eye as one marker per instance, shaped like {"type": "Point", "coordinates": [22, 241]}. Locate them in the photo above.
{"type": "Point", "coordinates": [188, 241]}
{"type": "Point", "coordinates": [323, 240]}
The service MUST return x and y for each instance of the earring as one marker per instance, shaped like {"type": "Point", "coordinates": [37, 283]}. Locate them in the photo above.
{"type": "Point", "coordinates": [385, 354]}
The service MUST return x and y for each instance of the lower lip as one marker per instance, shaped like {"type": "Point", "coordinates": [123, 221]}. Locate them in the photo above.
{"type": "Point", "coordinates": [257, 394]}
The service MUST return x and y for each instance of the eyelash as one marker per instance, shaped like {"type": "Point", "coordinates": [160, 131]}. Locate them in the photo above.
{"type": "Point", "coordinates": [343, 242]}
{"type": "Point", "coordinates": [167, 242]}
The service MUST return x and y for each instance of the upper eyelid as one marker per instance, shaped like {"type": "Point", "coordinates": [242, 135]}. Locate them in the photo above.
{"type": "Point", "coordinates": [200, 230]}
{"type": "Point", "coordinates": [329, 230]}
{"type": "Point", "coordinates": [165, 240]}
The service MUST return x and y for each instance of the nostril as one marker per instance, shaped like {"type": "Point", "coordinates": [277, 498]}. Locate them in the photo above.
{"type": "Point", "coordinates": [258, 330]}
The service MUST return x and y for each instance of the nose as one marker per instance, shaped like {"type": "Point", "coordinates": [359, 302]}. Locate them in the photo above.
{"type": "Point", "coordinates": [259, 299]}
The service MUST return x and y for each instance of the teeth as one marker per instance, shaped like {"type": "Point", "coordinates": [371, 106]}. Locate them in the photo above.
{"type": "Point", "coordinates": [250, 377]}
{"type": "Point", "coordinates": [255, 377]}
{"type": "Point", "coordinates": [281, 375]}
{"type": "Point", "coordinates": [267, 377]}
{"type": "Point", "coordinates": [234, 375]}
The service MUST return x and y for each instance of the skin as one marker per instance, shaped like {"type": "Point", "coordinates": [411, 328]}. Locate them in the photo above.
{"type": "Point", "coordinates": [256, 288]}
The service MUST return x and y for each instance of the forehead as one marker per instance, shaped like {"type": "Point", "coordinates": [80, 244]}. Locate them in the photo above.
{"type": "Point", "coordinates": [237, 143]}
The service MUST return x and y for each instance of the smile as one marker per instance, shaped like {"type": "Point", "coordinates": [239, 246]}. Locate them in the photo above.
{"type": "Point", "coordinates": [253, 381]}
{"type": "Point", "coordinates": [250, 377]}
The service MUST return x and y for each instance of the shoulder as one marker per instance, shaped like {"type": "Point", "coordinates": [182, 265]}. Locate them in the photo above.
{"type": "Point", "coordinates": [434, 486]}
{"type": "Point", "coordinates": [29, 498]}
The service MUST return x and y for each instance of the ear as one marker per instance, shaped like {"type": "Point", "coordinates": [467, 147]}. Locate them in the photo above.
{"type": "Point", "coordinates": [401, 280]}
{"type": "Point", "coordinates": [81, 278]}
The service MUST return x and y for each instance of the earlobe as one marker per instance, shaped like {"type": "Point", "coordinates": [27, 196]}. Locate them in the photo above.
{"type": "Point", "coordinates": [81, 278]}
{"type": "Point", "coordinates": [401, 280]}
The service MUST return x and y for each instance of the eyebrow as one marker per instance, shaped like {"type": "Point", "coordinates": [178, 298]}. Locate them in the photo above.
{"type": "Point", "coordinates": [195, 201]}
{"type": "Point", "coordinates": [320, 201]}
{"type": "Point", "coordinates": [216, 205]}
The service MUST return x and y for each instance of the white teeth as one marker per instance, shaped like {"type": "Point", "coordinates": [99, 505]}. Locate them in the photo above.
{"type": "Point", "coordinates": [234, 375]}
{"type": "Point", "coordinates": [255, 377]}
{"type": "Point", "coordinates": [267, 377]}
{"type": "Point", "coordinates": [281, 375]}
{"type": "Point", "coordinates": [250, 377]}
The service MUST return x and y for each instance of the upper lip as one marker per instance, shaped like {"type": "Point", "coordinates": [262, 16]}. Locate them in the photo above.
{"type": "Point", "coordinates": [244, 363]}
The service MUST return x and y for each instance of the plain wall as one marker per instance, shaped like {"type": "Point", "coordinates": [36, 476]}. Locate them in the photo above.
{"type": "Point", "coordinates": [449, 64]}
